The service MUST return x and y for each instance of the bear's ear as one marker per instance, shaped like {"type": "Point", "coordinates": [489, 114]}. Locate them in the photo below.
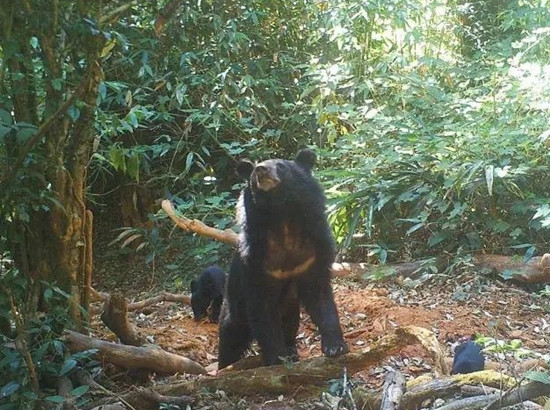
{"type": "Point", "coordinates": [193, 285]}
{"type": "Point", "coordinates": [306, 159]}
{"type": "Point", "coordinates": [245, 168]}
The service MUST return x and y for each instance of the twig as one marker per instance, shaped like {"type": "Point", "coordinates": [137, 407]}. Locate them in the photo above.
{"type": "Point", "coordinates": [21, 343]}
{"type": "Point", "coordinates": [114, 12]}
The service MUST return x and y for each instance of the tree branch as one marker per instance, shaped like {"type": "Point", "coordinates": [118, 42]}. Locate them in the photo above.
{"type": "Point", "coordinates": [226, 236]}
{"type": "Point", "coordinates": [46, 127]}
{"type": "Point", "coordinates": [113, 13]}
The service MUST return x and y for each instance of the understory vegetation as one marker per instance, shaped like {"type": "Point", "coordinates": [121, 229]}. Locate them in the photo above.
{"type": "Point", "coordinates": [431, 119]}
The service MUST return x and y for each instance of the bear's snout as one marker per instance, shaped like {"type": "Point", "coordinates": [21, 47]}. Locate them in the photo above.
{"type": "Point", "coordinates": [266, 177]}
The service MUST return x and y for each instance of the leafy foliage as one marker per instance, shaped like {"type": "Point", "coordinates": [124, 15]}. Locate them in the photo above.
{"type": "Point", "coordinates": [28, 338]}
{"type": "Point", "coordinates": [430, 138]}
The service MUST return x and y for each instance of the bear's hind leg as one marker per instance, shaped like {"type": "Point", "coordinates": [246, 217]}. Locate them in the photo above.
{"type": "Point", "coordinates": [234, 340]}
{"type": "Point", "coordinates": [291, 323]}
{"type": "Point", "coordinates": [264, 316]}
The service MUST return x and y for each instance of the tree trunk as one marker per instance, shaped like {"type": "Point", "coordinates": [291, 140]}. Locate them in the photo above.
{"type": "Point", "coordinates": [54, 246]}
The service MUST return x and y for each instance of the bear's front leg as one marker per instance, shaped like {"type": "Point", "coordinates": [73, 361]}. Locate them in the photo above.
{"type": "Point", "coordinates": [265, 321]}
{"type": "Point", "coordinates": [316, 295]}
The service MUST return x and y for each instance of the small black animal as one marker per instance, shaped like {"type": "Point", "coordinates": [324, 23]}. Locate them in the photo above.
{"type": "Point", "coordinates": [283, 261]}
{"type": "Point", "coordinates": [208, 291]}
{"type": "Point", "coordinates": [468, 358]}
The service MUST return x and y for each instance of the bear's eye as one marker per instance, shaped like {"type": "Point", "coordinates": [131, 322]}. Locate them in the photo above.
{"type": "Point", "coordinates": [281, 168]}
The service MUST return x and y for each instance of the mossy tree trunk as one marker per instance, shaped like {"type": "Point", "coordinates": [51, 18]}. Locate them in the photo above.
{"type": "Point", "coordinates": [51, 75]}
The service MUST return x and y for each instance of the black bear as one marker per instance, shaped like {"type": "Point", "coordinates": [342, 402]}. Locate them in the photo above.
{"type": "Point", "coordinates": [468, 358]}
{"type": "Point", "coordinates": [208, 291]}
{"type": "Point", "coordinates": [284, 258]}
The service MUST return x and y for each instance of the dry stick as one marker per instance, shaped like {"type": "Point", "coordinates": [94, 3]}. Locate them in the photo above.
{"type": "Point", "coordinates": [535, 271]}
{"type": "Point", "coordinates": [451, 386]}
{"type": "Point", "coordinates": [84, 378]}
{"type": "Point", "coordinates": [226, 236]}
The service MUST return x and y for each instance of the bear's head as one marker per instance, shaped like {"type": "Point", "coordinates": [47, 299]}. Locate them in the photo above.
{"type": "Point", "coordinates": [199, 301]}
{"type": "Point", "coordinates": [272, 174]}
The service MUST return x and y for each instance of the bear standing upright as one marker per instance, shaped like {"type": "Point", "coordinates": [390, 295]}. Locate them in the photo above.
{"type": "Point", "coordinates": [285, 254]}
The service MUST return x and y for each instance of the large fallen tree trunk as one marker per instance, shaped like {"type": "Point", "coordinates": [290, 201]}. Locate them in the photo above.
{"type": "Point", "coordinates": [131, 357]}
{"type": "Point", "coordinates": [536, 270]}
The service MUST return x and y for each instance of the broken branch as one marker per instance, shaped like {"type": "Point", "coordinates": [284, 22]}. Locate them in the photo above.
{"type": "Point", "coordinates": [226, 236]}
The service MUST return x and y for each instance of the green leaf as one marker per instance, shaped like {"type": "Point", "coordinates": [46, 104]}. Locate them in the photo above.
{"type": "Point", "coordinates": [34, 42]}
{"type": "Point", "coordinates": [541, 377]}
{"type": "Point", "coordinates": [24, 133]}
{"type": "Point", "coordinates": [5, 118]}
{"type": "Point", "coordinates": [117, 158]}
{"type": "Point", "coordinates": [437, 238]}
{"type": "Point", "coordinates": [67, 366]}
{"type": "Point", "coordinates": [180, 93]}
{"type": "Point", "coordinates": [8, 389]}
{"type": "Point", "coordinates": [55, 399]}
{"type": "Point", "coordinates": [48, 293]}
{"type": "Point", "coordinates": [102, 91]}
{"type": "Point", "coordinates": [56, 84]}
{"type": "Point", "coordinates": [415, 228]}
{"type": "Point", "coordinates": [74, 112]}
{"type": "Point", "coordinates": [132, 166]}
{"type": "Point", "coordinates": [4, 131]}
{"type": "Point", "coordinates": [79, 391]}
{"type": "Point", "coordinates": [189, 161]}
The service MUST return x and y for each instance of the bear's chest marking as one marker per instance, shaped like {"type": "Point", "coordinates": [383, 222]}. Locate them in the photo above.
{"type": "Point", "coordinates": [289, 254]}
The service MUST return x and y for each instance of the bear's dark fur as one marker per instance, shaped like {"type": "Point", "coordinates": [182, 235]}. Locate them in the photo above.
{"type": "Point", "coordinates": [208, 291]}
{"type": "Point", "coordinates": [285, 254]}
{"type": "Point", "coordinates": [468, 358]}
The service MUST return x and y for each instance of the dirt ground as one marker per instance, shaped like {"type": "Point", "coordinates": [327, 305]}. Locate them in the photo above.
{"type": "Point", "coordinates": [451, 306]}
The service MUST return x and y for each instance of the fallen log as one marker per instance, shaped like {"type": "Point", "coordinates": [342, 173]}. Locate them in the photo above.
{"type": "Point", "coordinates": [306, 378]}
{"type": "Point", "coordinates": [132, 357]}
{"type": "Point", "coordinates": [115, 317]}
{"type": "Point", "coordinates": [451, 386]}
{"type": "Point", "coordinates": [529, 391]}
{"type": "Point", "coordinates": [535, 270]}
{"type": "Point", "coordinates": [162, 297]}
